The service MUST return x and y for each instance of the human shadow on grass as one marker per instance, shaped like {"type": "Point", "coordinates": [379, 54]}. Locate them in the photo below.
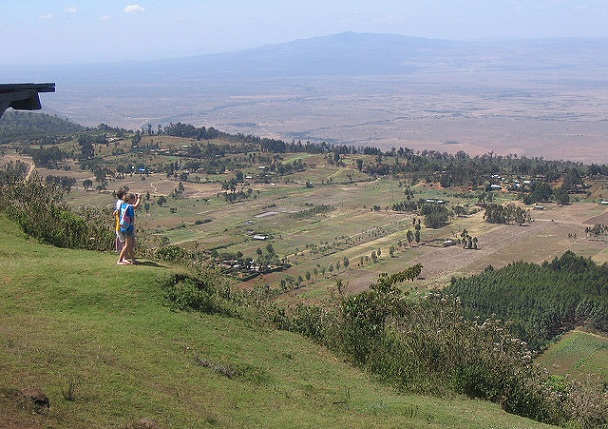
{"type": "Point", "coordinates": [149, 264]}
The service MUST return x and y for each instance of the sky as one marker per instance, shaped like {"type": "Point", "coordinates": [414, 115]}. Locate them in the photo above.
{"type": "Point", "coordinates": [91, 31]}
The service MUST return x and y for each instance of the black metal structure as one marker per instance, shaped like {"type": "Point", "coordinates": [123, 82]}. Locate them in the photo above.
{"type": "Point", "coordinates": [22, 96]}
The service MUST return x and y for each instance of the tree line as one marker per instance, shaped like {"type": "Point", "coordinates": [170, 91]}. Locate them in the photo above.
{"type": "Point", "coordinates": [542, 301]}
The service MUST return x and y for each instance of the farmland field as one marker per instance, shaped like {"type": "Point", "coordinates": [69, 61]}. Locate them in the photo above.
{"type": "Point", "coordinates": [356, 238]}
{"type": "Point", "coordinates": [577, 354]}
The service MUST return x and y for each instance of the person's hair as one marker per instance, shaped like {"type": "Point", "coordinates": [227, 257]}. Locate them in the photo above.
{"type": "Point", "coordinates": [128, 197]}
{"type": "Point", "coordinates": [122, 192]}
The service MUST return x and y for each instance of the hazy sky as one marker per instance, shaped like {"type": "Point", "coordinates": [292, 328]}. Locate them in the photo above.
{"type": "Point", "coordinates": [75, 31]}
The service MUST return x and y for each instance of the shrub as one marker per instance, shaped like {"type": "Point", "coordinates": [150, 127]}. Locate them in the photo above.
{"type": "Point", "coordinates": [197, 294]}
{"type": "Point", "coordinates": [40, 212]}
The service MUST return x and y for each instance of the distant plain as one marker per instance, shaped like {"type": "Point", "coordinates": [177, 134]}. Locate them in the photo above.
{"type": "Point", "coordinates": [477, 113]}
{"type": "Point", "coordinates": [537, 98]}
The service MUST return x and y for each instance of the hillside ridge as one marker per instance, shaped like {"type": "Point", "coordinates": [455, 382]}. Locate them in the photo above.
{"type": "Point", "coordinates": [74, 318]}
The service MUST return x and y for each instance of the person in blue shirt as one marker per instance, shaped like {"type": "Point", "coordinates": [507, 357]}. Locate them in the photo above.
{"type": "Point", "coordinates": [127, 227]}
{"type": "Point", "coordinates": [120, 239]}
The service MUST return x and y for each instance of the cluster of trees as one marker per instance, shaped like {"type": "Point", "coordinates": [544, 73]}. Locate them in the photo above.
{"type": "Point", "coordinates": [48, 157]}
{"type": "Point", "coordinates": [35, 127]}
{"type": "Point", "coordinates": [315, 210]}
{"type": "Point", "coordinates": [506, 214]}
{"type": "Point", "coordinates": [541, 191]}
{"type": "Point", "coordinates": [469, 241]}
{"type": "Point", "coordinates": [435, 215]}
{"type": "Point", "coordinates": [597, 230]}
{"type": "Point", "coordinates": [64, 182]}
{"type": "Point", "coordinates": [233, 195]}
{"type": "Point", "coordinates": [539, 302]}
{"type": "Point", "coordinates": [405, 206]}
{"type": "Point", "coordinates": [188, 131]}
{"type": "Point", "coordinates": [241, 265]}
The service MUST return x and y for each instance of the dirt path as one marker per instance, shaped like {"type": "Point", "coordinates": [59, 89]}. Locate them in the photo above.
{"type": "Point", "coordinates": [26, 160]}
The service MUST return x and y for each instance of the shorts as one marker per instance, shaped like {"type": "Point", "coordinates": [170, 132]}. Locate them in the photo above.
{"type": "Point", "coordinates": [120, 236]}
{"type": "Point", "coordinates": [129, 233]}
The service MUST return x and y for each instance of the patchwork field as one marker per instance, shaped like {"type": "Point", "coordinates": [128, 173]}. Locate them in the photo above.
{"type": "Point", "coordinates": [358, 238]}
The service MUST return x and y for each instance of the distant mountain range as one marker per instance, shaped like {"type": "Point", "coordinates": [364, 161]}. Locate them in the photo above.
{"type": "Point", "coordinates": [388, 54]}
{"type": "Point", "coordinates": [352, 54]}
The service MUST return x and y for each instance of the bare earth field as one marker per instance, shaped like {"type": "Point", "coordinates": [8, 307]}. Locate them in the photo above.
{"type": "Point", "coordinates": [545, 238]}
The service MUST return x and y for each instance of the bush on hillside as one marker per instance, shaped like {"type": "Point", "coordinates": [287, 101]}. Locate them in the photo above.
{"type": "Point", "coordinates": [422, 345]}
{"type": "Point", "coordinates": [199, 293]}
{"type": "Point", "coordinates": [39, 210]}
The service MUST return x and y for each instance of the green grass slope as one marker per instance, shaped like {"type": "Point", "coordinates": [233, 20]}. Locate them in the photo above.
{"type": "Point", "coordinates": [577, 354]}
{"type": "Point", "coordinates": [75, 318]}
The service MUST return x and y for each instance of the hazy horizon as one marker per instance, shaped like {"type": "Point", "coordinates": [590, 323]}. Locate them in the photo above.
{"type": "Point", "coordinates": [75, 32]}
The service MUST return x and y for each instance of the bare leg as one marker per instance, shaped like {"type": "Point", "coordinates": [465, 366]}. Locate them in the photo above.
{"type": "Point", "coordinates": [126, 250]}
{"type": "Point", "coordinates": [133, 250]}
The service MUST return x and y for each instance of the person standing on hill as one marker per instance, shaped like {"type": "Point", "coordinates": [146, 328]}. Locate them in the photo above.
{"type": "Point", "coordinates": [127, 227]}
{"type": "Point", "coordinates": [120, 239]}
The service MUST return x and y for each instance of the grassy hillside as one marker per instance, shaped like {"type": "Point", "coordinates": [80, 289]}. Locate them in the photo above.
{"type": "Point", "coordinates": [74, 317]}
{"type": "Point", "coordinates": [577, 354]}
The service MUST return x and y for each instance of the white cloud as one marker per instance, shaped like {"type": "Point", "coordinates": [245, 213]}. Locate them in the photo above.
{"type": "Point", "coordinates": [72, 9]}
{"type": "Point", "coordinates": [134, 8]}
{"type": "Point", "coordinates": [47, 16]}
{"type": "Point", "coordinates": [104, 18]}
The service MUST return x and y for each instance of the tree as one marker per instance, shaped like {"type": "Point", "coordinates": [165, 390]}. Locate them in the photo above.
{"type": "Point", "coordinates": [410, 236]}
{"type": "Point", "coordinates": [459, 210]}
{"type": "Point", "coordinates": [436, 215]}
{"type": "Point", "coordinates": [561, 196]}
{"type": "Point", "coordinates": [417, 236]}
{"type": "Point", "coordinates": [100, 176]}
{"type": "Point", "coordinates": [136, 140]}
{"type": "Point", "coordinates": [85, 141]}
{"type": "Point", "coordinates": [340, 286]}
{"type": "Point", "coordinates": [540, 191]}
